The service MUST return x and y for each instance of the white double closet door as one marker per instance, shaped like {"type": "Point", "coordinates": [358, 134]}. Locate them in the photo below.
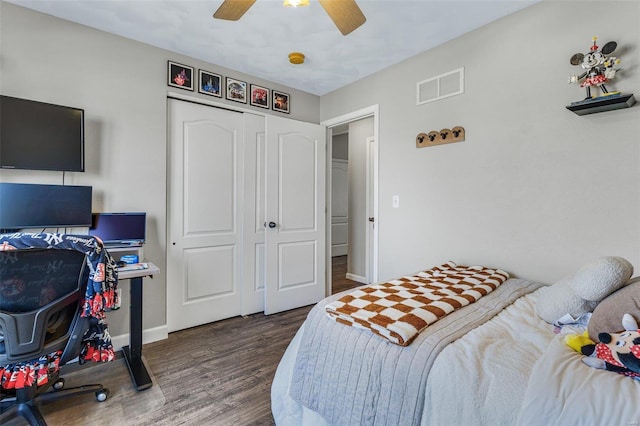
{"type": "Point", "coordinates": [246, 214]}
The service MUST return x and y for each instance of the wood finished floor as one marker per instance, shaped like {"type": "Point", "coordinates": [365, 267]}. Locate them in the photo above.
{"type": "Point", "coordinates": [339, 282]}
{"type": "Point", "coordinates": [221, 373]}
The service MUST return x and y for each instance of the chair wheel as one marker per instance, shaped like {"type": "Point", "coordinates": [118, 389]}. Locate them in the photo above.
{"type": "Point", "coordinates": [58, 384]}
{"type": "Point", "coordinates": [102, 395]}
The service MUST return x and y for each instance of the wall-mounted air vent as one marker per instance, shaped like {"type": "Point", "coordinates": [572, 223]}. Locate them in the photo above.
{"type": "Point", "coordinates": [440, 87]}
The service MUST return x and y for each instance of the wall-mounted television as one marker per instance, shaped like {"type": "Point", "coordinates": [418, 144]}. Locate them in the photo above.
{"type": "Point", "coordinates": [24, 205]}
{"type": "Point", "coordinates": [40, 136]}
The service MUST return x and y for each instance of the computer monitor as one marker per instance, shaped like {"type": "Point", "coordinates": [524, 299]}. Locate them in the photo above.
{"type": "Point", "coordinates": [24, 205]}
{"type": "Point", "coordinates": [119, 229]}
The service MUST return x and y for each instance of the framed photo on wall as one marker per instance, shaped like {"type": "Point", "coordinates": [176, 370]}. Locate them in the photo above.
{"type": "Point", "coordinates": [236, 90]}
{"type": "Point", "coordinates": [280, 102]}
{"type": "Point", "coordinates": [180, 76]}
{"type": "Point", "coordinates": [259, 96]}
{"type": "Point", "coordinates": [209, 83]}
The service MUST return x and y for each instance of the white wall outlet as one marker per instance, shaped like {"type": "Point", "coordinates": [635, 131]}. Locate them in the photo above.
{"type": "Point", "coordinates": [396, 201]}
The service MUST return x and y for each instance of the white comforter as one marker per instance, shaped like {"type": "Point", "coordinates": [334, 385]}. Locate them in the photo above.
{"type": "Point", "coordinates": [478, 379]}
{"type": "Point", "coordinates": [353, 377]}
{"type": "Point", "coordinates": [564, 391]}
{"type": "Point", "coordinates": [481, 378]}
{"type": "Point", "coordinates": [512, 370]}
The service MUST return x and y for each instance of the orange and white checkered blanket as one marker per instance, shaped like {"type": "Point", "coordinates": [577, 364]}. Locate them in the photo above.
{"type": "Point", "coordinates": [400, 309]}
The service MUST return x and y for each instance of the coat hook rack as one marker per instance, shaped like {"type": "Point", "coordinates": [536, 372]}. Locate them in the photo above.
{"type": "Point", "coordinates": [442, 137]}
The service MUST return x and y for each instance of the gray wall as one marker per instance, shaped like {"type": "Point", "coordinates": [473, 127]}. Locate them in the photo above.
{"type": "Point", "coordinates": [340, 146]}
{"type": "Point", "coordinates": [121, 85]}
{"type": "Point", "coordinates": [534, 189]}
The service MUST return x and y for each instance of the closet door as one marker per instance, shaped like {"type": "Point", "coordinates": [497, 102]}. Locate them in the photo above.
{"type": "Point", "coordinates": [204, 268]}
{"type": "Point", "coordinates": [295, 214]}
{"type": "Point", "coordinates": [253, 206]}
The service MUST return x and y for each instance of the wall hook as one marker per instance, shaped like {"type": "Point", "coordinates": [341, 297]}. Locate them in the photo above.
{"type": "Point", "coordinates": [440, 137]}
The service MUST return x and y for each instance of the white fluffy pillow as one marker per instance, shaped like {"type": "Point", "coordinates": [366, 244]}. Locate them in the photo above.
{"type": "Point", "coordinates": [581, 292]}
{"type": "Point", "coordinates": [601, 277]}
{"type": "Point", "coordinates": [558, 300]}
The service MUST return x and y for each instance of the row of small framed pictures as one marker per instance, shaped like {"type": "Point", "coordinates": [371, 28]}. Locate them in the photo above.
{"type": "Point", "coordinates": [181, 76]}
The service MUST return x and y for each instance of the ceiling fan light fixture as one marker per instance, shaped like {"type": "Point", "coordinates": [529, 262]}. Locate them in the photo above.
{"type": "Point", "coordinates": [344, 13]}
{"type": "Point", "coordinates": [296, 58]}
{"type": "Point", "coordinates": [295, 3]}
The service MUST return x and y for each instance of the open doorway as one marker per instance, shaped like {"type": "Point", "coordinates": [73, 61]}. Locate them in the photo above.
{"type": "Point", "coordinates": [339, 280]}
{"type": "Point", "coordinates": [340, 210]}
{"type": "Point", "coordinates": [352, 200]}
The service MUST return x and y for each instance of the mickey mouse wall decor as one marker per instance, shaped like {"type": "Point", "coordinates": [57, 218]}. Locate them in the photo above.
{"type": "Point", "coordinates": [598, 68]}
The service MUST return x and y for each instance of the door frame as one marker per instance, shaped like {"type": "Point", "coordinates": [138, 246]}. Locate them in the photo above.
{"type": "Point", "coordinates": [372, 246]}
{"type": "Point", "coordinates": [372, 197]}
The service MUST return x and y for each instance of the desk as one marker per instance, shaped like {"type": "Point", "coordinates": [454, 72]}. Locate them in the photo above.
{"type": "Point", "coordinates": [133, 352]}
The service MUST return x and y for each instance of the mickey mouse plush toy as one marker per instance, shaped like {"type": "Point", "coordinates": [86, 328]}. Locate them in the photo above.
{"type": "Point", "coordinates": [619, 352]}
{"type": "Point", "coordinates": [598, 67]}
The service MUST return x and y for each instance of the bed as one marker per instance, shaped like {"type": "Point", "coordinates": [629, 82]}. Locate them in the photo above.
{"type": "Point", "coordinates": [493, 362]}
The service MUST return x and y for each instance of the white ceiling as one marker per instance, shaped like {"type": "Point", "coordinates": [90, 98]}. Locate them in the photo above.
{"type": "Point", "coordinates": [259, 43]}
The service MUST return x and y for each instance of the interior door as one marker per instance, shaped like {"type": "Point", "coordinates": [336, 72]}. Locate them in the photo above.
{"type": "Point", "coordinates": [205, 222]}
{"type": "Point", "coordinates": [339, 207]}
{"type": "Point", "coordinates": [295, 214]}
{"type": "Point", "coordinates": [253, 206]}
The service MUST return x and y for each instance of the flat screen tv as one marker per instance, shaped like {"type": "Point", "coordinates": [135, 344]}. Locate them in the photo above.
{"type": "Point", "coordinates": [25, 205]}
{"type": "Point", "coordinates": [40, 136]}
{"type": "Point", "coordinates": [119, 229]}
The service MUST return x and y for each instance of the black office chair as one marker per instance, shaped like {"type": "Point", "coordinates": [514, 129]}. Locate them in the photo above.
{"type": "Point", "coordinates": [41, 298]}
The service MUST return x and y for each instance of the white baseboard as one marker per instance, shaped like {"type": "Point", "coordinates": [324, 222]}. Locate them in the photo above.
{"type": "Point", "coordinates": [357, 278]}
{"type": "Point", "coordinates": [339, 250]}
{"type": "Point", "coordinates": [148, 336]}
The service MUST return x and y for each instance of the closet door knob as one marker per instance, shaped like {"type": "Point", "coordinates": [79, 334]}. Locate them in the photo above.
{"type": "Point", "coordinates": [272, 225]}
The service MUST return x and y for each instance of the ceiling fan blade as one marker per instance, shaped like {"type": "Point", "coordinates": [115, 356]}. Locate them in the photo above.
{"type": "Point", "coordinates": [232, 10]}
{"type": "Point", "coordinates": [344, 13]}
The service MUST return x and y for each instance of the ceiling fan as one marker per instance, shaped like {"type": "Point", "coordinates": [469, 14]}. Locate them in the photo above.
{"type": "Point", "coordinates": [344, 13]}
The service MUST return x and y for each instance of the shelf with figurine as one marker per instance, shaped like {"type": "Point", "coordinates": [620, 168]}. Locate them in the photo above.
{"type": "Point", "coordinates": [598, 65]}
